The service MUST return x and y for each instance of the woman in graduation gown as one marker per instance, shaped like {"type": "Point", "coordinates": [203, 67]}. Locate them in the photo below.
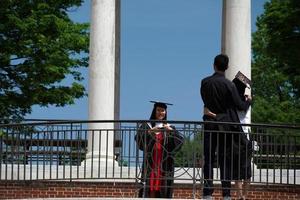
{"type": "Point", "coordinates": [159, 142]}
{"type": "Point", "coordinates": [243, 162]}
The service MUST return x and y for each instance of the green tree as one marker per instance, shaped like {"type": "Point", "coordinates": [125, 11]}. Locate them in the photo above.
{"type": "Point", "coordinates": [190, 154]}
{"type": "Point", "coordinates": [40, 48]}
{"type": "Point", "coordinates": [276, 63]}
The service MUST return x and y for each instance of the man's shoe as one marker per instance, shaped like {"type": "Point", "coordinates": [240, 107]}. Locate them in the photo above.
{"type": "Point", "coordinates": [208, 197]}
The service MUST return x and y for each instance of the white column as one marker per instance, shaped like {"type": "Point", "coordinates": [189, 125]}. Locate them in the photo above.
{"type": "Point", "coordinates": [236, 37]}
{"type": "Point", "coordinates": [104, 77]}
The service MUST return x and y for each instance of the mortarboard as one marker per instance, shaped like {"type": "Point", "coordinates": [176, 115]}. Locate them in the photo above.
{"type": "Point", "coordinates": [243, 79]}
{"type": "Point", "coordinates": [161, 104]}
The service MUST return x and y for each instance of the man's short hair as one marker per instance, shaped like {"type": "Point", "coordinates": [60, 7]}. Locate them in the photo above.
{"type": "Point", "coordinates": [221, 62]}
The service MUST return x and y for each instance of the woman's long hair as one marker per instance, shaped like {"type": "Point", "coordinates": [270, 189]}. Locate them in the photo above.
{"type": "Point", "coordinates": [240, 88]}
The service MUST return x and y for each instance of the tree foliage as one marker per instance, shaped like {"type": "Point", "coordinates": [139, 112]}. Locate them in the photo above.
{"type": "Point", "coordinates": [190, 154]}
{"type": "Point", "coordinates": [276, 63]}
{"type": "Point", "coordinates": [40, 47]}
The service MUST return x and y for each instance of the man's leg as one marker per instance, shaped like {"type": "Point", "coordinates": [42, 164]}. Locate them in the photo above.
{"type": "Point", "coordinates": [224, 155]}
{"type": "Point", "coordinates": [209, 157]}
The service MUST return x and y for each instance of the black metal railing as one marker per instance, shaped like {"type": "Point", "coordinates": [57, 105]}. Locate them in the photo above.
{"type": "Point", "coordinates": [72, 150]}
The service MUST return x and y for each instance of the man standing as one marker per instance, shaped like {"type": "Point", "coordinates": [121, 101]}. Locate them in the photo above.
{"type": "Point", "coordinates": [221, 97]}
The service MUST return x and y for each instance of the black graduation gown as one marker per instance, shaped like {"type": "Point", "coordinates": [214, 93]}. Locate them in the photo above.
{"type": "Point", "coordinates": [172, 143]}
{"type": "Point", "coordinates": [241, 146]}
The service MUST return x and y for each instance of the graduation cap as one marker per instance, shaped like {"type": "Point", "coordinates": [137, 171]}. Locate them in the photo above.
{"type": "Point", "coordinates": [243, 79]}
{"type": "Point", "coordinates": [161, 104]}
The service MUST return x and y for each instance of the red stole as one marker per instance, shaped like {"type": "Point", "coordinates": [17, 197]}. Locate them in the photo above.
{"type": "Point", "coordinates": [157, 156]}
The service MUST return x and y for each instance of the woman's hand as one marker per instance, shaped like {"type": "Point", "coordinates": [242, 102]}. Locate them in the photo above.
{"type": "Point", "coordinates": [248, 98]}
{"type": "Point", "coordinates": [165, 127]}
{"type": "Point", "coordinates": [154, 129]}
{"type": "Point", "coordinates": [168, 127]}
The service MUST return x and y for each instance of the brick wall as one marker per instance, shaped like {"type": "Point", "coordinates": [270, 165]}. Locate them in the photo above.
{"type": "Point", "coordinates": [60, 189]}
